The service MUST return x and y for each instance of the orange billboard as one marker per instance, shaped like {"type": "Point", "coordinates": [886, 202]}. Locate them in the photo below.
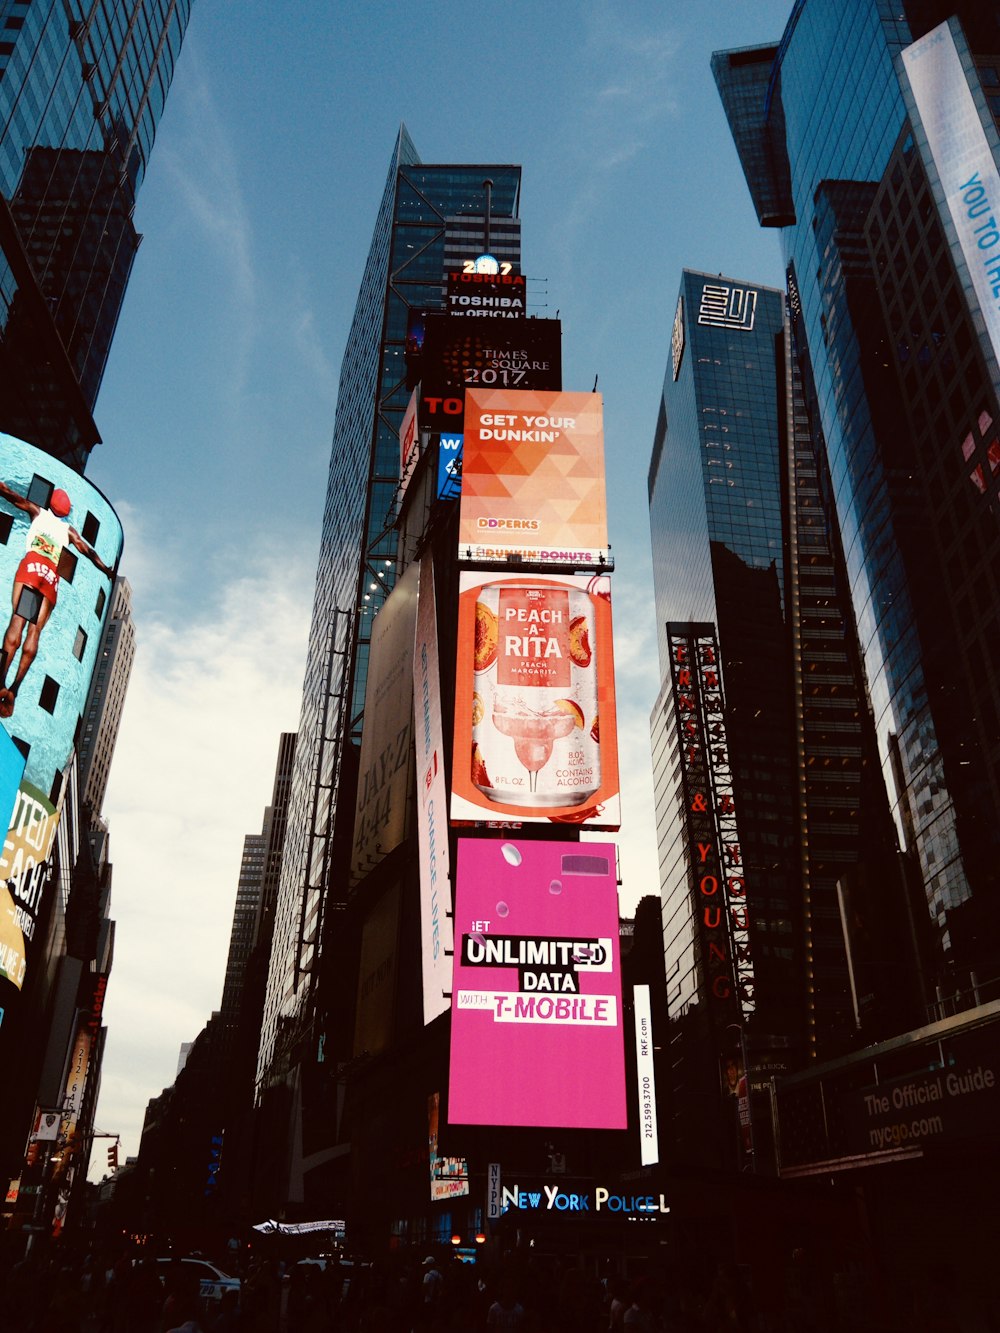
{"type": "Point", "coordinates": [536, 735]}
{"type": "Point", "coordinates": [533, 483]}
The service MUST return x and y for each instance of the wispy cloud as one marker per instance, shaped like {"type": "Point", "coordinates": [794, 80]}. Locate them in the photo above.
{"type": "Point", "coordinates": [624, 91]}
{"type": "Point", "coordinates": [630, 65]}
{"type": "Point", "coordinates": [211, 691]}
{"type": "Point", "coordinates": [202, 165]}
{"type": "Point", "coordinates": [312, 354]}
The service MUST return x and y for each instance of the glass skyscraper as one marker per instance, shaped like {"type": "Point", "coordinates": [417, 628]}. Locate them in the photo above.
{"type": "Point", "coordinates": [429, 216]}
{"type": "Point", "coordinates": [82, 87]}
{"type": "Point", "coordinates": [770, 835]}
{"type": "Point", "coordinates": [715, 497]}
{"type": "Point", "coordinates": [904, 382]}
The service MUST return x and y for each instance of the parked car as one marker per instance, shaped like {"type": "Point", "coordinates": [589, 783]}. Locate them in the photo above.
{"type": "Point", "coordinates": [213, 1282]}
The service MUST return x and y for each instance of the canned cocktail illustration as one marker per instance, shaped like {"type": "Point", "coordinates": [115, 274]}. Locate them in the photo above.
{"type": "Point", "coordinates": [535, 729]}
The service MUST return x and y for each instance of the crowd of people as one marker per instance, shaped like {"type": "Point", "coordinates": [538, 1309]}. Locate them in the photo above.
{"type": "Point", "coordinates": [61, 1291]}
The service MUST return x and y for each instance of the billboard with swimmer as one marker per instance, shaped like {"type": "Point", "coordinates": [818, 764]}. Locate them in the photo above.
{"type": "Point", "coordinates": [60, 542]}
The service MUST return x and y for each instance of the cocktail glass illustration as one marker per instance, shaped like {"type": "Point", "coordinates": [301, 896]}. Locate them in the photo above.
{"type": "Point", "coordinates": [533, 734]}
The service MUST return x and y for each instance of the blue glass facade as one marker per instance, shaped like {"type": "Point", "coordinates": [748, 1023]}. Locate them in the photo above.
{"type": "Point", "coordinates": [880, 312]}
{"type": "Point", "coordinates": [745, 548]}
{"type": "Point", "coordinates": [422, 206]}
{"type": "Point", "coordinates": [82, 87]}
{"type": "Point", "coordinates": [716, 499]}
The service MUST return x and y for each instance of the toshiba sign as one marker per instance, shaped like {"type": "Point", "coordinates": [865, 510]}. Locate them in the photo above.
{"type": "Point", "coordinates": [502, 294]}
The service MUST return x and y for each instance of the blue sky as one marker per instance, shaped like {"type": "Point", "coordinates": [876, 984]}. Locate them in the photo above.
{"type": "Point", "coordinates": [218, 403]}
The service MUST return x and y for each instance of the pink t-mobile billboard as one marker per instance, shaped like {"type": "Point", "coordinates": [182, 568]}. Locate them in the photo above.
{"type": "Point", "coordinates": [536, 1033]}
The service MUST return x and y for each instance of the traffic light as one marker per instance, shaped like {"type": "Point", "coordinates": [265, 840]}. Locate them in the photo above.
{"type": "Point", "coordinates": [113, 1156]}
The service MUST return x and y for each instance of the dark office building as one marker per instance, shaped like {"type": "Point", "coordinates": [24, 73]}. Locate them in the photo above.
{"type": "Point", "coordinates": [106, 699]}
{"type": "Point", "coordinates": [770, 830]}
{"type": "Point", "coordinates": [905, 387]}
{"type": "Point", "coordinates": [250, 939]}
{"type": "Point", "coordinates": [82, 88]}
{"type": "Point", "coordinates": [869, 138]}
{"type": "Point", "coordinates": [429, 218]}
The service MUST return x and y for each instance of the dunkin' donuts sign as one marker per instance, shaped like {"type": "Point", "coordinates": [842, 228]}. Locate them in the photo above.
{"type": "Point", "coordinates": [533, 485]}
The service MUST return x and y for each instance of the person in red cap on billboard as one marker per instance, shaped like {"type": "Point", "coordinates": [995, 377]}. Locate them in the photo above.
{"type": "Point", "coordinates": [36, 583]}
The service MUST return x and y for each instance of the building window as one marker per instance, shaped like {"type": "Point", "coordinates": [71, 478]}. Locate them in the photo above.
{"type": "Point", "coordinates": [80, 643]}
{"type": "Point", "coordinates": [49, 694]}
{"type": "Point", "coordinates": [99, 605]}
{"type": "Point", "coordinates": [91, 527]}
{"type": "Point", "coordinates": [40, 491]}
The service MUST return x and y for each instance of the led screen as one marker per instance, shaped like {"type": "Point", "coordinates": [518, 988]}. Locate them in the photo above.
{"type": "Point", "coordinates": [63, 619]}
{"type": "Point", "coordinates": [386, 743]}
{"type": "Point", "coordinates": [432, 804]}
{"type": "Point", "coordinates": [500, 296]}
{"type": "Point", "coordinates": [377, 976]}
{"type": "Point", "coordinates": [60, 541]}
{"type": "Point", "coordinates": [533, 486]}
{"type": "Point", "coordinates": [492, 353]}
{"type": "Point", "coordinates": [449, 1175]}
{"type": "Point", "coordinates": [535, 727]}
{"type": "Point", "coordinates": [536, 1035]}
{"type": "Point", "coordinates": [449, 473]}
{"type": "Point", "coordinates": [408, 439]}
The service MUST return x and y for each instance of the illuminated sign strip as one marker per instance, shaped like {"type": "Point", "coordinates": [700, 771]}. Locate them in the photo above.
{"type": "Point", "coordinates": [677, 338]}
{"type": "Point", "coordinates": [727, 307]}
{"type": "Point", "coordinates": [548, 1197]}
{"type": "Point", "coordinates": [649, 1145]}
{"type": "Point", "coordinates": [710, 805]}
{"type": "Point", "coordinates": [436, 933]}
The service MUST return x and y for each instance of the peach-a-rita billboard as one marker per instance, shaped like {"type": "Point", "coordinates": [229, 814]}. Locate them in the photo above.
{"type": "Point", "coordinates": [535, 727]}
{"type": "Point", "coordinates": [533, 485]}
{"type": "Point", "coordinates": [536, 1030]}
